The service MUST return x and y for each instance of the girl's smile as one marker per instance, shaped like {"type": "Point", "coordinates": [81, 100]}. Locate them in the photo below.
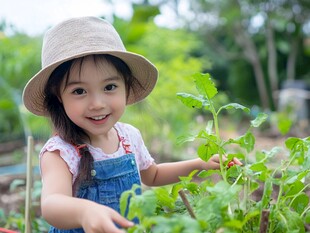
{"type": "Point", "coordinates": [94, 96]}
{"type": "Point", "coordinates": [99, 119]}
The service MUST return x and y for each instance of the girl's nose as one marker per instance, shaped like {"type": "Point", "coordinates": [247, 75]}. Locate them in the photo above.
{"type": "Point", "coordinates": [97, 101]}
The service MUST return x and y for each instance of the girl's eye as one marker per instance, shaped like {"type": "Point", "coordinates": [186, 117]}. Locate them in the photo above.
{"type": "Point", "coordinates": [79, 91]}
{"type": "Point", "coordinates": [110, 87]}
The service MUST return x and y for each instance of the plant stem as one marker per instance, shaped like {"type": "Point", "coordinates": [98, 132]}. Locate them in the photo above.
{"type": "Point", "coordinates": [217, 133]}
{"type": "Point", "coordinates": [305, 211]}
{"type": "Point", "coordinates": [186, 203]}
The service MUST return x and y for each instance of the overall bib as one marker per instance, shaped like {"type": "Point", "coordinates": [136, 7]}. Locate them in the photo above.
{"type": "Point", "coordinates": [111, 177]}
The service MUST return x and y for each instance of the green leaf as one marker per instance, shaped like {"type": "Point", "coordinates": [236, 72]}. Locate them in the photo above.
{"type": "Point", "coordinates": [254, 186]}
{"type": "Point", "coordinates": [192, 101]}
{"type": "Point", "coordinates": [307, 217]}
{"type": "Point", "coordinates": [267, 194]}
{"type": "Point", "coordinates": [284, 123]}
{"type": "Point", "coordinates": [235, 106]}
{"type": "Point", "coordinates": [16, 183]}
{"type": "Point", "coordinates": [261, 117]}
{"type": "Point", "coordinates": [205, 85]}
{"type": "Point", "coordinates": [176, 224]}
{"type": "Point", "coordinates": [298, 148]}
{"type": "Point", "coordinates": [258, 167]}
{"type": "Point", "coordinates": [209, 127]}
{"type": "Point", "coordinates": [297, 177]}
{"type": "Point", "coordinates": [175, 190]}
{"type": "Point", "coordinates": [246, 141]}
{"type": "Point", "coordinates": [291, 221]}
{"type": "Point", "coordinates": [185, 138]}
{"type": "Point", "coordinates": [293, 188]}
{"type": "Point", "coordinates": [234, 223]}
{"type": "Point", "coordinates": [189, 177]}
{"type": "Point", "coordinates": [207, 150]}
{"type": "Point", "coordinates": [300, 203]}
{"type": "Point", "coordinates": [293, 143]}
{"type": "Point", "coordinates": [143, 205]}
{"type": "Point", "coordinates": [124, 200]}
{"type": "Point", "coordinates": [164, 198]}
{"type": "Point", "coordinates": [205, 174]}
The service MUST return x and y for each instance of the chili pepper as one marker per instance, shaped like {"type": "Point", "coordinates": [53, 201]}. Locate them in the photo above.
{"type": "Point", "coordinates": [230, 164]}
{"type": "Point", "coordinates": [3, 230]}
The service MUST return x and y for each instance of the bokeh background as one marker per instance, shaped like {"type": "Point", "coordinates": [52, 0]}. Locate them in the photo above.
{"type": "Point", "coordinates": [258, 53]}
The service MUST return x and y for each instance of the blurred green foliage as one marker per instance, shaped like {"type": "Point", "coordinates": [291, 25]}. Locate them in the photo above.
{"type": "Point", "coordinates": [203, 44]}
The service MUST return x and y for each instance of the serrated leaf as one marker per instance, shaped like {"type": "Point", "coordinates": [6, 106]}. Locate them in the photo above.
{"type": "Point", "coordinates": [126, 195]}
{"type": "Point", "coordinates": [205, 151]}
{"type": "Point", "coordinates": [257, 167]}
{"type": "Point", "coordinates": [297, 177]}
{"type": "Point", "coordinates": [209, 127]}
{"type": "Point", "coordinates": [142, 205]}
{"type": "Point", "coordinates": [164, 198]}
{"type": "Point", "coordinates": [205, 85]}
{"type": "Point", "coordinates": [300, 203]}
{"type": "Point", "coordinates": [261, 118]}
{"type": "Point", "coordinates": [191, 101]}
{"type": "Point", "coordinates": [205, 174]}
{"type": "Point", "coordinates": [246, 141]}
{"type": "Point", "coordinates": [292, 221]}
{"type": "Point", "coordinates": [185, 138]}
{"type": "Point", "coordinates": [236, 106]}
{"type": "Point", "coordinates": [124, 201]}
{"type": "Point", "coordinates": [293, 142]}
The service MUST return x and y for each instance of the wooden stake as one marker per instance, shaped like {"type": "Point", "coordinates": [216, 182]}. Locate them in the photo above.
{"type": "Point", "coordinates": [264, 221]}
{"type": "Point", "coordinates": [186, 203]}
{"type": "Point", "coordinates": [28, 185]}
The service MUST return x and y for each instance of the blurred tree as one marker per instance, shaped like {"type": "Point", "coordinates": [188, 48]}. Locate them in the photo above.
{"type": "Point", "coordinates": [258, 32]}
{"type": "Point", "coordinates": [161, 117]}
{"type": "Point", "coordinates": [19, 58]}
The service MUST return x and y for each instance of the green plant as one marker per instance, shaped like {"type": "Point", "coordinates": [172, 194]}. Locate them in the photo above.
{"type": "Point", "coordinates": [228, 205]}
{"type": "Point", "coordinates": [16, 220]}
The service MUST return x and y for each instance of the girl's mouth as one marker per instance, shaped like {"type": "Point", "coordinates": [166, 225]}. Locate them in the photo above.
{"type": "Point", "coordinates": [98, 118]}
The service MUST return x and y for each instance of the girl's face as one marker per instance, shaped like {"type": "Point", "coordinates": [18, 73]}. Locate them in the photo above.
{"type": "Point", "coordinates": [94, 96]}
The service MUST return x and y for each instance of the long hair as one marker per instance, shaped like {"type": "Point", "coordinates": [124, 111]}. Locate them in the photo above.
{"type": "Point", "coordinates": [62, 124]}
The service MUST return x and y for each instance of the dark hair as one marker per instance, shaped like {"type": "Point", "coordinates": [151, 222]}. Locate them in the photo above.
{"type": "Point", "coordinates": [62, 124]}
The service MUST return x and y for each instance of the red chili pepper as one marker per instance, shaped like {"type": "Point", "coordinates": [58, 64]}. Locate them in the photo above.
{"type": "Point", "coordinates": [2, 230]}
{"type": "Point", "coordinates": [230, 164]}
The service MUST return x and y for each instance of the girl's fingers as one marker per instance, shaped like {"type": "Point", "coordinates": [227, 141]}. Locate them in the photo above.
{"type": "Point", "coordinates": [237, 161]}
{"type": "Point", "coordinates": [121, 221]}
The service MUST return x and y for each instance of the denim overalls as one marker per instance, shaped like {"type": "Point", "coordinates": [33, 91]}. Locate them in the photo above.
{"type": "Point", "coordinates": [111, 177]}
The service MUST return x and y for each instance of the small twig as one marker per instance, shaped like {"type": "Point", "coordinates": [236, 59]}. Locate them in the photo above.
{"type": "Point", "coordinates": [28, 185]}
{"type": "Point", "coordinates": [264, 221]}
{"type": "Point", "coordinates": [186, 203]}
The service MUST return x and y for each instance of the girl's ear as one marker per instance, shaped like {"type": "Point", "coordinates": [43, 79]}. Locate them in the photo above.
{"type": "Point", "coordinates": [60, 100]}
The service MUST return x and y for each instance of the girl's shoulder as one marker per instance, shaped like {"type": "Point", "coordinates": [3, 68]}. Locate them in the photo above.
{"type": "Point", "coordinates": [55, 143]}
{"type": "Point", "coordinates": [66, 151]}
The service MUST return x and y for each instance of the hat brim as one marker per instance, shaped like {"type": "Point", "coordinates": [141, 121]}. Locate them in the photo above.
{"type": "Point", "coordinates": [143, 70]}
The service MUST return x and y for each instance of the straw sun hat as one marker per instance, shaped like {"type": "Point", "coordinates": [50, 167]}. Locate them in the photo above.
{"type": "Point", "coordinates": [78, 37]}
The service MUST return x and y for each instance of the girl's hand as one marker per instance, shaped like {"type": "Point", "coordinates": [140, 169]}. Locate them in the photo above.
{"type": "Point", "coordinates": [214, 162]}
{"type": "Point", "coordinates": [233, 162]}
{"type": "Point", "coordinates": [102, 219]}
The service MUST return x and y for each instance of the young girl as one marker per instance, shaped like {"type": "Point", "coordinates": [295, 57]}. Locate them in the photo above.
{"type": "Point", "coordinates": [86, 81]}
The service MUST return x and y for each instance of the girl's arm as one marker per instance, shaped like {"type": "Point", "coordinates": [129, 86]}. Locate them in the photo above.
{"type": "Point", "coordinates": [168, 173]}
{"type": "Point", "coordinates": [64, 211]}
